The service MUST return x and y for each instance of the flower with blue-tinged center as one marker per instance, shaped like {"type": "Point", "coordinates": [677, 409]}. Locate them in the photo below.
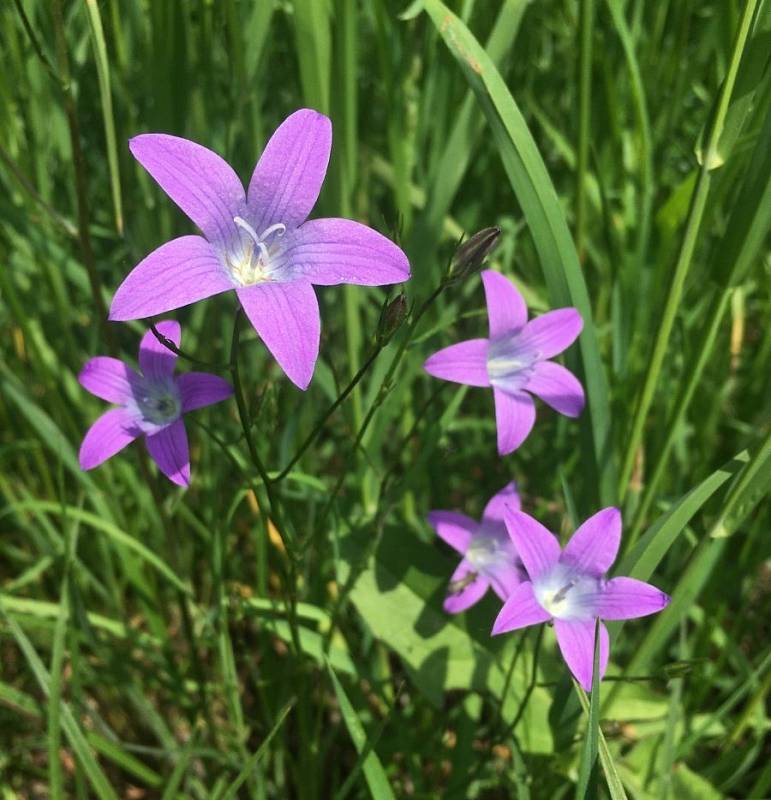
{"type": "Point", "coordinates": [489, 557]}
{"type": "Point", "coordinates": [514, 361]}
{"type": "Point", "coordinates": [256, 242]}
{"type": "Point", "coordinates": [151, 404]}
{"type": "Point", "coordinates": [570, 587]}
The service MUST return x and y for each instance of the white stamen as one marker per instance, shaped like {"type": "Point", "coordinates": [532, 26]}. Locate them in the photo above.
{"type": "Point", "coordinates": [263, 252]}
{"type": "Point", "coordinates": [242, 223]}
{"type": "Point", "coordinates": [279, 226]}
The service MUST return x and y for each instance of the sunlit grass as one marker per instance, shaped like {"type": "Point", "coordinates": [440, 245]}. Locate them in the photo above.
{"type": "Point", "coordinates": [163, 643]}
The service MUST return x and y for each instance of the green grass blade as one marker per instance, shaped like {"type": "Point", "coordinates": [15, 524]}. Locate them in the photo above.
{"type": "Point", "coordinates": [112, 531]}
{"type": "Point", "coordinates": [696, 213]}
{"type": "Point", "coordinates": [254, 759]}
{"type": "Point", "coordinates": [587, 774]}
{"type": "Point", "coordinates": [77, 740]}
{"type": "Point", "coordinates": [105, 94]}
{"type": "Point", "coordinates": [377, 780]}
{"type": "Point", "coordinates": [612, 778]}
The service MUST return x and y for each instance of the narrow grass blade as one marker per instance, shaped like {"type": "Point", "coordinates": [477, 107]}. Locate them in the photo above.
{"type": "Point", "coordinates": [612, 778]}
{"type": "Point", "coordinates": [105, 95]}
{"type": "Point", "coordinates": [77, 740]}
{"type": "Point", "coordinates": [587, 774]}
{"type": "Point", "coordinates": [254, 759]}
{"type": "Point", "coordinates": [112, 531]}
{"type": "Point", "coordinates": [377, 781]}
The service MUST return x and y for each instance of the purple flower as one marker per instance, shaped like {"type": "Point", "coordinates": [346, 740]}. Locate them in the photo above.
{"type": "Point", "coordinates": [489, 557]}
{"type": "Point", "coordinates": [257, 242]}
{"type": "Point", "coordinates": [514, 361]}
{"type": "Point", "coordinates": [569, 587]}
{"type": "Point", "coordinates": [151, 404]}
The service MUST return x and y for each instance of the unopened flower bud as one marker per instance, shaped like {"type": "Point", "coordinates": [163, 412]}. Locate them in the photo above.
{"type": "Point", "coordinates": [470, 256]}
{"type": "Point", "coordinates": [391, 318]}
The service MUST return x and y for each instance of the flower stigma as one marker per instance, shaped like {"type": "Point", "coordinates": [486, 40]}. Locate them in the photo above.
{"type": "Point", "coordinates": [508, 366]}
{"type": "Point", "coordinates": [567, 595]}
{"type": "Point", "coordinates": [256, 263]}
{"type": "Point", "coordinates": [159, 404]}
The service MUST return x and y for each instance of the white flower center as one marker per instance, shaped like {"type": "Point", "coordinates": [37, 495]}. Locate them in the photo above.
{"type": "Point", "coordinates": [158, 403]}
{"type": "Point", "coordinates": [258, 257]}
{"type": "Point", "coordinates": [491, 551]}
{"type": "Point", "coordinates": [566, 594]}
{"type": "Point", "coordinates": [509, 365]}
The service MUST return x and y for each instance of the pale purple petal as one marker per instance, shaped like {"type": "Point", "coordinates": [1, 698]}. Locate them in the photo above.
{"type": "Point", "coordinates": [168, 448]}
{"type": "Point", "coordinates": [505, 578]}
{"type": "Point", "coordinates": [552, 332]}
{"type": "Point", "coordinates": [176, 274]}
{"type": "Point", "coordinates": [465, 362]}
{"type": "Point", "coordinates": [332, 251]}
{"type": "Point", "coordinates": [536, 546]}
{"type": "Point", "coordinates": [558, 387]}
{"type": "Point", "coordinates": [508, 497]}
{"type": "Point", "coordinates": [592, 549]}
{"type": "Point", "coordinates": [199, 389]}
{"type": "Point", "coordinates": [201, 183]}
{"type": "Point", "coordinates": [286, 316]}
{"type": "Point", "coordinates": [576, 643]}
{"type": "Point", "coordinates": [627, 598]}
{"type": "Point", "coordinates": [107, 436]}
{"type": "Point", "coordinates": [287, 180]}
{"type": "Point", "coordinates": [455, 529]}
{"type": "Point", "coordinates": [460, 594]}
{"type": "Point", "coordinates": [155, 359]}
{"type": "Point", "coordinates": [506, 308]}
{"type": "Point", "coordinates": [109, 379]}
{"type": "Point", "coordinates": [520, 610]}
{"type": "Point", "coordinates": [514, 419]}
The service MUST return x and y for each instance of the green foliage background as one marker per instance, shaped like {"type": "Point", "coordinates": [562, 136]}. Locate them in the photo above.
{"type": "Point", "coordinates": [159, 643]}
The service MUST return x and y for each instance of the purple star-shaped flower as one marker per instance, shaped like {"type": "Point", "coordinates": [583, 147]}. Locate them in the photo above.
{"type": "Point", "coordinates": [257, 242]}
{"type": "Point", "coordinates": [514, 361]}
{"type": "Point", "coordinates": [151, 404]}
{"type": "Point", "coordinates": [569, 587]}
{"type": "Point", "coordinates": [489, 557]}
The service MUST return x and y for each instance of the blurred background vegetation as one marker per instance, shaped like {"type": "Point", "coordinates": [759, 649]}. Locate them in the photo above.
{"type": "Point", "coordinates": [153, 640]}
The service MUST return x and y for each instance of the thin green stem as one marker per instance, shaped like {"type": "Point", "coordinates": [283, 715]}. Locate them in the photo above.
{"type": "Point", "coordinates": [327, 414]}
{"type": "Point", "coordinates": [169, 345]}
{"type": "Point", "coordinates": [707, 342]}
{"type": "Point", "coordinates": [688, 246]}
{"type": "Point", "coordinates": [79, 166]}
{"type": "Point", "coordinates": [382, 392]}
{"type": "Point", "coordinates": [273, 510]}
{"type": "Point", "coordinates": [586, 26]}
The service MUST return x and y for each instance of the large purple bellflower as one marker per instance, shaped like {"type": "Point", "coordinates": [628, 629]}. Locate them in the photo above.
{"type": "Point", "coordinates": [514, 361]}
{"type": "Point", "coordinates": [569, 587]}
{"type": "Point", "coordinates": [151, 404]}
{"type": "Point", "coordinates": [257, 242]}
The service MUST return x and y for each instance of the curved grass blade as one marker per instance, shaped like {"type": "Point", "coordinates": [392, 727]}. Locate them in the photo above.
{"type": "Point", "coordinates": [612, 778]}
{"type": "Point", "coordinates": [77, 740]}
{"type": "Point", "coordinates": [538, 198]}
{"type": "Point", "coordinates": [377, 781]}
{"type": "Point", "coordinates": [105, 95]}
{"type": "Point", "coordinates": [108, 528]}
{"type": "Point", "coordinates": [254, 759]}
{"type": "Point", "coordinates": [587, 774]}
